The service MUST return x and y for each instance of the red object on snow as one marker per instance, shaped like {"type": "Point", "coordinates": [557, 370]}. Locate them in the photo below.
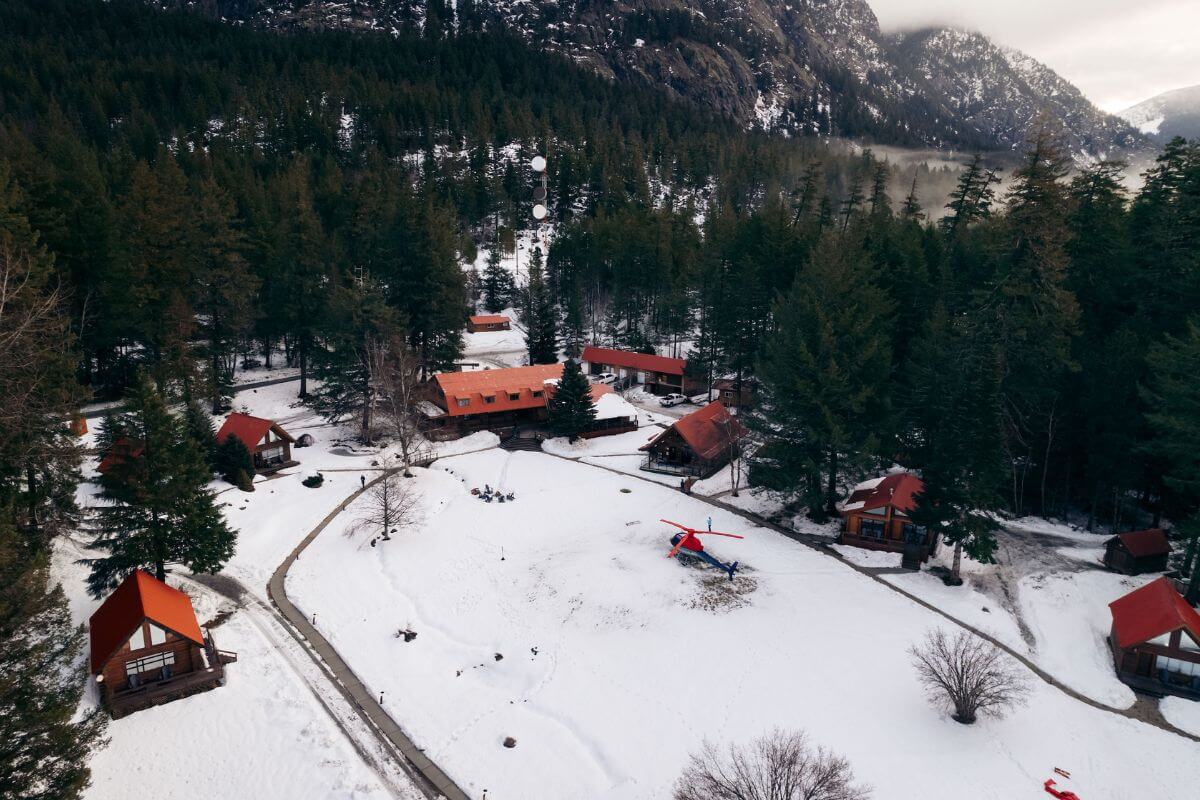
{"type": "Point", "coordinates": [1061, 795]}
{"type": "Point", "coordinates": [690, 538]}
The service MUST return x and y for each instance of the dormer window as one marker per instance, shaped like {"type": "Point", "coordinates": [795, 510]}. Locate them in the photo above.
{"type": "Point", "coordinates": [463, 402]}
{"type": "Point", "coordinates": [537, 392]}
{"type": "Point", "coordinates": [514, 396]}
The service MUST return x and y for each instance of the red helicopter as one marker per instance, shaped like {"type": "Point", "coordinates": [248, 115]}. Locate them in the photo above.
{"type": "Point", "coordinates": [689, 542]}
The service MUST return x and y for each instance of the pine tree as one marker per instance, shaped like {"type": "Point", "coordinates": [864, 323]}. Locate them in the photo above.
{"type": "Point", "coordinates": [44, 749]}
{"type": "Point", "coordinates": [571, 410]}
{"type": "Point", "coordinates": [540, 316]}
{"type": "Point", "coordinates": [972, 199]}
{"type": "Point", "coordinates": [950, 412]}
{"type": "Point", "coordinates": [157, 506]}
{"type": "Point", "coordinates": [1174, 399]}
{"type": "Point", "coordinates": [824, 376]}
{"type": "Point", "coordinates": [199, 427]}
{"type": "Point", "coordinates": [232, 459]}
{"type": "Point", "coordinates": [498, 287]}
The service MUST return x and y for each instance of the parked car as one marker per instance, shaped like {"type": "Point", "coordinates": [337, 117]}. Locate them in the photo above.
{"type": "Point", "coordinates": [673, 399]}
{"type": "Point", "coordinates": [604, 377]}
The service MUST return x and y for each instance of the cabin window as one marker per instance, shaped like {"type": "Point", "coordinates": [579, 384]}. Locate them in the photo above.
{"type": "Point", "coordinates": [463, 402]}
{"type": "Point", "coordinates": [537, 392]}
{"type": "Point", "coordinates": [514, 396]}
{"type": "Point", "coordinates": [149, 663]}
{"type": "Point", "coordinates": [913, 533]}
{"type": "Point", "coordinates": [1174, 666]}
{"type": "Point", "coordinates": [157, 634]}
{"type": "Point", "coordinates": [138, 640]}
{"type": "Point", "coordinates": [490, 399]}
{"type": "Point", "coordinates": [870, 529]}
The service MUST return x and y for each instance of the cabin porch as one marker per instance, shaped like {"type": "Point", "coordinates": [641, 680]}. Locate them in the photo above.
{"type": "Point", "coordinates": [139, 692]}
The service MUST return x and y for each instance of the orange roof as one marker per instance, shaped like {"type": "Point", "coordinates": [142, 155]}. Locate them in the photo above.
{"type": "Point", "coordinates": [630, 360]}
{"type": "Point", "coordinates": [508, 389]}
{"type": "Point", "coordinates": [250, 430]}
{"type": "Point", "coordinates": [139, 597]}
{"type": "Point", "coordinates": [705, 430]}
{"type": "Point", "coordinates": [1152, 611]}
{"type": "Point", "coordinates": [488, 319]}
{"type": "Point", "coordinates": [899, 491]}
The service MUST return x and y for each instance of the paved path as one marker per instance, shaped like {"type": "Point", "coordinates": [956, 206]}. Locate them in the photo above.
{"type": "Point", "coordinates": [819, 544]}
{"type": "Point", "coordinates": [427, 775]}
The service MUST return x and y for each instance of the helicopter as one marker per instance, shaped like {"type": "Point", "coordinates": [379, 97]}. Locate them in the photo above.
{"type": "Point", "coordinates": [689, 543]}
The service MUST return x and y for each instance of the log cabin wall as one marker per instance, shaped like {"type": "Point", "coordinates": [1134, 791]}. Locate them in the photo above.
{"type": "Point", "coordinates": [183, 649]}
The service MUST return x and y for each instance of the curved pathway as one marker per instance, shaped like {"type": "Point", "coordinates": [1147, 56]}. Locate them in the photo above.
{"type": "Point", "coordinates": [427, 775]}
{"type": "Point", "coordinates": [1137, 711]}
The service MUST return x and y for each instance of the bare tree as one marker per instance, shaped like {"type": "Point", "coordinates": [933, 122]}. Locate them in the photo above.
{"type": "Point", "coordinates": [390, 504]}
{"type": "Point", "coordinates": [968, 674]}
{"type": "Point", "coordinates": [396, 371]}
{"type": "Point", "coordinates": [780, 766]}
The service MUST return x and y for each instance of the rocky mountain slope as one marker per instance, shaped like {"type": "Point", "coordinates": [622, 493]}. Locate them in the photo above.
{"type": "Point", "coordinates": [1165, 116]}
{"type": "Point", "coordinates": [796, 66]}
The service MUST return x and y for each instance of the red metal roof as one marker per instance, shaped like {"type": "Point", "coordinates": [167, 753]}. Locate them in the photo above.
{"type": "Point", "coordinates": [1140, 544]}
{"type": "Point", "coordinates": [630, 360]}
{"type": "Point", "coordinates": [899, 491]}
{"type": "Point", "coordinates": [250, 430]}
{"type": "Point", "coordinates": [705, 430]}
{"type": "Point", "coordinates": [488, 319]}
{"type": "Point", "coordinates": [1152, 611]}
{"type": "Point", "coordinates": [139, 597]}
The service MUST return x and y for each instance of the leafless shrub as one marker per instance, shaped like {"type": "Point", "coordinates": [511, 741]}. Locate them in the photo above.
{"type": "Point", "coordinates": [389, 505]}
{"type": "Point", "coordinates": [779, 766]}
{"type": "Point", "coordinates": [396, 375]}
{"type": "Point", "coordinates": [970, 675]}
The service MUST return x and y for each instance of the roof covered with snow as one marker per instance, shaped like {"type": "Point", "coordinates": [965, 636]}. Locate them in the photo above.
{"type": "Point", "coordinates": [898, 491]}
{"type": "Point", "coordinates": [1152, 611]}
{"type": "Point", "coordinates": [631, 360]}
{"type": "Point", "coordinates": [139, 597]}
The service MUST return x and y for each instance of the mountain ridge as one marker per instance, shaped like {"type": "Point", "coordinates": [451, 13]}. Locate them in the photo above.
{"type": "Point", "coordinates": [1167, 115]}
{"type": "Point", "coordinates": [794, 67]}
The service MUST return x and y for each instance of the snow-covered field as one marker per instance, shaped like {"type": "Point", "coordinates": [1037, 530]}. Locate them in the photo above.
{"type": "Point", "coordinates": [557, 620]}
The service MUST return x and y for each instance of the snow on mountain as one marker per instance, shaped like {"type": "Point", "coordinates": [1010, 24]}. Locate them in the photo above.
{"type": "Point", "coordinates": [1165, 116]}
{"type": "Point", "coordinates": [793, 66]}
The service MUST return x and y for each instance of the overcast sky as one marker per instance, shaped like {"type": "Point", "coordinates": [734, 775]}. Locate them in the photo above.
{"type": "Point", "coordinates": [1119, 52]}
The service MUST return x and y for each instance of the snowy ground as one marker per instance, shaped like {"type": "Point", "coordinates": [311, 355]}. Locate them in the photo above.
{"type": "Point", "coordinates": [497, 349]}
{"type": "Point", "coordinates": [557, 620]}
{"type": "Point", "coordinates": [1047, 597]}
{"type": "Point", "coordinates": [265, 734]}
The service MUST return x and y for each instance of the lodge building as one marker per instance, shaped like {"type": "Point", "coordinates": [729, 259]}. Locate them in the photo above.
{"type": "Point", "coordinates": [876, 517]}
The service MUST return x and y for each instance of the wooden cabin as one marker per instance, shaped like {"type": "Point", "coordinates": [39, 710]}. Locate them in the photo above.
{"type": "Point", "coordinates": [498, 400]}
{"type": "Point", "coordinates": [733, 396]}
{"type": "Point", "coordinates": [270, 445]}
{"type": "Point", "coordinates": [659, 374]}
{"type": "Point", "coordinates": [1138, 552]}
{"type": "Point", "coordinates": [481, 323]}
{"type": "Point", "coordinates": [147, 647]}
{"type": "Point", "coordinates": [875, 517]}
{"type": "Point", "coordinates": [696, 445]}
{"type": "Point", "coordinates": [1155, 640]}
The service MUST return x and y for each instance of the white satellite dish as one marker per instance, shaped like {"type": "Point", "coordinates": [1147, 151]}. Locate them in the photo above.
{"type": "Point", "coordinates": [538, 164]}
{"type": "Point", "coordinates": [539, 211]}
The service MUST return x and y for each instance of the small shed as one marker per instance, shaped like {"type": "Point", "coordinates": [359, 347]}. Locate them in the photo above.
{"type": "Point", "coordinates": [696, 445]}
{"type": "Point", "coordinates": [876, 517]}
{"type": "Point", "coordinates": [147, 647]}
{"type": "Point", "coordinates": [734, 396]}
{"type": "Point", "coordinates": [1155, 640]}
{"type": "Point", "coordinates": [480, 323]}
{"type": "Point", "coordinates": [270, 445]}
{"type": "Point", "coordinates": [1138, 552]}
